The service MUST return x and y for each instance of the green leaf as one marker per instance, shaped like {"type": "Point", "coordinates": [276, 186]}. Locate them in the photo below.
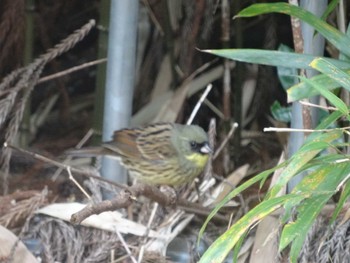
{"type": "Point", "coordinates": [218, 251]}
{"type": "Point", "coordinates": [326, 122]}
{"type": "Point", "coordinates": [297, 231]}
{"type": "Point", "coordinates": [334, 36]}
{"type": "Point", "coordinates": [343, 198]}
{"type": "Point", "coordinates": [283, 114]}
{"type": "Point", "coordinates": [302, 90]}
{"type": "Point", "coordinates": [337, 102]}
{"type": "Point", "coordinates": [273, 57]}
{"type": "Point", "coordinates": [235, 192]}
{"type": "Point", "coordinates": [327, 68]}
{"type": "Point", "coordinates": [317, 143]}
{"type": "Point", "coordinates": [238, 246]}
{"type": "Point", "coordinates": [331, 6]}
{"type": "Point", "coordinates": [287, 75]}
{"type": "Point", "coordinates": [321, 185]}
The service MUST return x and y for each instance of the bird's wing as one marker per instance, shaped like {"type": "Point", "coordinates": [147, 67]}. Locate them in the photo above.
{"type": "Point", "coordinates": [154, 142]}
{"type": "Point", "coordinates": [124, 143]}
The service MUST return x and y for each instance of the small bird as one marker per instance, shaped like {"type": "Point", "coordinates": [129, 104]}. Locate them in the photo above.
{"type": "Point", "coordinates": [158, 154]}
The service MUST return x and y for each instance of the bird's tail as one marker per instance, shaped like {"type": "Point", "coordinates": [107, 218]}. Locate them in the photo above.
{"type": "Point", "coordinates": [89, 152]}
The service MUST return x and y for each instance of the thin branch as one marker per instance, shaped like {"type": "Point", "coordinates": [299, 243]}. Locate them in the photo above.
{"type": "Point", "coordinates": [64, 166]}
{"type": "Point", "coordinates": [274, 129]}
{"type": "Point", "coordinates": [224, 142]}
{"type": "Point", "coordinates": [71, 177]}
{"type": "Point", "coordinates": [125, 246]}
{"type": "Point", "coordinates": [153, 17]}
{"type": "Point", "coordinates": [68, 158]}
{"type": "Point", "coordinates": [214, 108]}
{"type": "Point", "coordinates": [199, 103]}
{"type": "Point", "coordinates": [306, 103]}
{"type": "Point", "coordinates": [72, 69]}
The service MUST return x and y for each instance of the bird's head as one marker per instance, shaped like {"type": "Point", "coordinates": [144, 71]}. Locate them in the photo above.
{"type": "Point", "coordinates": [192, 142]}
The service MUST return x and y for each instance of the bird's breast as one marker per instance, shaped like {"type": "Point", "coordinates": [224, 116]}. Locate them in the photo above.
{"type": "Point", "coordinates": [197, 159]}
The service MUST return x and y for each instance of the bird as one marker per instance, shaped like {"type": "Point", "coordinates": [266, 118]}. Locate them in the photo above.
{"type": "Point", "coordinates": [157, 154]}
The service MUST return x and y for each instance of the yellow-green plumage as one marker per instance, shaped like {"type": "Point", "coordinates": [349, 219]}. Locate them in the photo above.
{"type": "Point", "coordinates": [159, 154]}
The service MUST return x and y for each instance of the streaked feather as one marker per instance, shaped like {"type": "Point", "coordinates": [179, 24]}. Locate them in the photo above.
{"type": "Point", "coordinates": [158, 153]}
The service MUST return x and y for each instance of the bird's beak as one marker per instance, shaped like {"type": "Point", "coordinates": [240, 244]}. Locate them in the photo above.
{"type": "Point", "coordinates": [205, 149]}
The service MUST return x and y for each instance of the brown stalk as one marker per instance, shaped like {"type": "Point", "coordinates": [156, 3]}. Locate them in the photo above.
{"type": "Point", "coordinates": [21, 82]}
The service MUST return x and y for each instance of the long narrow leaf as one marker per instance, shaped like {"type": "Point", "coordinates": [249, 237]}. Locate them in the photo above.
{"type": "Point", "coordinates": [326, 67]}
{"type": "Point", "coordinates": [307, 152]}
{"type": "Point", "coordinates": [334, 36]}
{"type": "Point", "coordinates": [321, 185]}
{"type": "Point", "coordinates": [331, 6]}
{"type": "Point", "coordinates": [302, 90]}
{"type": "Point", "coordinates": [337, 102]}
{"type": "Point", "coordinates": [345, 194]}
{"type": "Point", "coordinates": [298, 230]}
{"type": "Point", "coordinates": [218, 251]}
{"type": "Point", "coordinates": [273, 58]}
{"type": "Point", "coordinates": [235, 192]}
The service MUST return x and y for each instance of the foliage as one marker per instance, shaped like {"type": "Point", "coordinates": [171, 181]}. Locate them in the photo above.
{"type": "Point", "coordinates": [320, 158]}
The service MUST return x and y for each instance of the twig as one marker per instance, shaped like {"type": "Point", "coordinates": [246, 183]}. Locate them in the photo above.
{"type": "Point", "coordinates": [71, 70]}
{"type": "Point", "coordinates": [63, 73]}
{"type": "Point", "coordinates": [125, 246]}
{"type": "Point", "coordinates": [151, 218]}
{"type": "Point", "coordinates": [127, 196]}
{"type": "Point", "coordinates": [274, 129]}
{"type": "Point", "coordinates": [68, 158]}
{"type": "Point", "coordinates": [199, 70]}
{"type": "Point", "coordinates": [71, 177]}
{"type": "Point", "coordinates": [306, 103]}
{"type": "Point", "coordinates": [224, 142]}
{"type": "Point", "coordinates": [21, 83]}
{"type": "Point", "coordinates": [64, 166]}
{"type": "Point", "coordinates": [153, 17]}
{"type": "Point", "coordinates": [214, 108]}
{"type": "Point", "coordinates": [123, 200]}
{"type": "Point", "coordinates": [199, 103]}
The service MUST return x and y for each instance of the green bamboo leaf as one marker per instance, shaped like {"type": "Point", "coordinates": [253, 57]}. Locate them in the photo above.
{"type": "Point", "coordinates": [329, 69]}
{"type": "Point", "coordinates": [321, 185]}
{"type": "Point", "coordinates": [297, 231]}
{"type": "Point", "coordinates": [302, 90]}
{"type": "Point", "coordinates": [314, 146]}
{"type": "Point", "coordinates": [337, 102]}
{"type": "Point", "coordinates": [273, 57]}
{"type": "Point", "coordinates": [344, 195]}
{"type": "Point", "coordinates": [325, 179]}
{"type": "Point", "coordinates": [301, 158]}
{"type": "Point", "coordinates": [218, 251]}
{"type": "Point", "coordinates": [286, 75]}
{"type": "Point", "coordinates": [326, 122]}
{"type": "Point", "coordinates": [280, 113]}
{"type": "Point", "coordinates": [260, 177]}
{"type": "Point", "coordinates": [334, 36]}
{"type": "Point", "coordinates": [238, 247]}
{"type": "Point", "coordinates": [331, 6]}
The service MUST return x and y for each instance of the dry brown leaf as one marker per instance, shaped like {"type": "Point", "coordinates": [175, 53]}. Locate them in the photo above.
{"type": "Point", "coordinates": [266, 245]}
{"type": "Point", "coordinates": [230, 183]}
{"type": "Point", "coordinates": [7, 241]}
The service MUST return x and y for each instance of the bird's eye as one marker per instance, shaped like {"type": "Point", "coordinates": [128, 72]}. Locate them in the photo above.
{"type": "Point", "coordinates": [193, 144]}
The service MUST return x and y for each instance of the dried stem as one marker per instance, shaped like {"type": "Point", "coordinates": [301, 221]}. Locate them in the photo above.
{"type": "Point", "coordinates": [199, 103]}
{"type": "Point", "coordinates": [20, 83]}
{"type": "Point", "coordinates": [224, 142]}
